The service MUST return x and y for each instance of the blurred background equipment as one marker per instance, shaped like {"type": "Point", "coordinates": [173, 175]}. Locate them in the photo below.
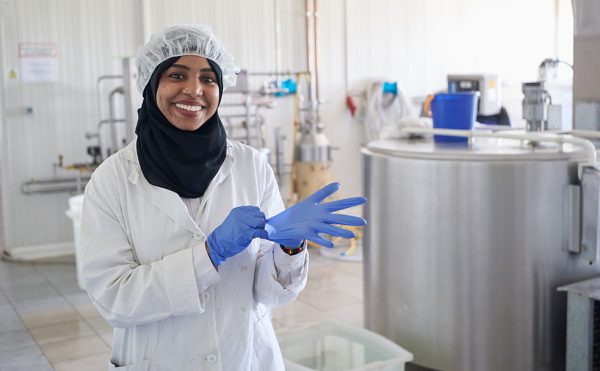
{"type": "Point", "coordinates": [535, 103]}
{"type": "Point", "coordinates": [489, 106]}
{"type": "Point", "coordinates": [467, 244]}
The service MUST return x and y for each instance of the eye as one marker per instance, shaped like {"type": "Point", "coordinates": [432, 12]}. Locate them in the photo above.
{"type": "Point", "coordinates": [207, 79]}
{"type": "Point", "coordinates": [176, 75]}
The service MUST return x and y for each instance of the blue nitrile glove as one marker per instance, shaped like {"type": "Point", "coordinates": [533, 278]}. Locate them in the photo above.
{"type": "Point", "coordinates": [308, 218]}
{"type": "Point", "coordinates": [242, 225]}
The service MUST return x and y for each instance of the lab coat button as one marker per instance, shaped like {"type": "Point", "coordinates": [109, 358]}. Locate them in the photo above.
{"type": "Point", "coordinates": [211, 358]}
{"type": "Point", "coordinates": [206, 295]}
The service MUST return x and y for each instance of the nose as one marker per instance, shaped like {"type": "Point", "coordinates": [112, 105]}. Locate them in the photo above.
{"type": "Point", "coordinates": [193, 88]}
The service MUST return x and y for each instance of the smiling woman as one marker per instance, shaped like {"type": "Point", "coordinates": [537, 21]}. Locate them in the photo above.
{"type": "Point", "coordinates": [188, 93]}
{"type": "Point", "coordinates": [167, 232]}
{"type": "Point", "coordinates": [175, 250]}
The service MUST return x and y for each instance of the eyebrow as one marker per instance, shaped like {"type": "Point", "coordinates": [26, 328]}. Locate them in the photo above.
{"type": "Point", "coordinates": [206, 69]}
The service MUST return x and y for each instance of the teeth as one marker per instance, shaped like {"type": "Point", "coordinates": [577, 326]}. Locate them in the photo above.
{"type": "Point", "coordinates": [189, 108]}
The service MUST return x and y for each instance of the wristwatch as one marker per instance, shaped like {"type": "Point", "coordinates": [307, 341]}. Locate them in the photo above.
{"type": "Point", "coordinates": [294, 250]}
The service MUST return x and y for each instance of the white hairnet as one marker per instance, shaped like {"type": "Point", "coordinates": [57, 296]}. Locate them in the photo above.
{"type": "Point", "coordinates": [188, 39]}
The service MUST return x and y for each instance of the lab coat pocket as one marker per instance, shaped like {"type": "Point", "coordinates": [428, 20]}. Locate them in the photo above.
{"type": "Point", "coordinates": [260, 312]}
{"type": "Point", "coordinates": [139, 366]}
{"type": "Point", "coordinates": [267, 355]}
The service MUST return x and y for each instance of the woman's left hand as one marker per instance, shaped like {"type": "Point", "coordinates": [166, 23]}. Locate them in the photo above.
{"type": "Point", "coordinates": [309, 217]}
{"type": "Point", "coordinates": [242, 225]}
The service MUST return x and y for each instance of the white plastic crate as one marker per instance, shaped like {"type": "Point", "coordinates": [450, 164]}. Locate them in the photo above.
{"type": "Point", "coordinates": [335, 346]}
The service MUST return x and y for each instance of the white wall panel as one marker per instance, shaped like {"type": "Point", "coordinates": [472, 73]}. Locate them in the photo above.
{"type": "Point", "coordinates": [91, 37]}
{"type": "Point", "coordinates": [415, 42]}
{"type": "Point", "coordinates": [245, 27]}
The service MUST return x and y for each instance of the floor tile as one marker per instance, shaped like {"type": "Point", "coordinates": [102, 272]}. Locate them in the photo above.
{"type": "Point", "coordinates": [44, 312]}
{"type": "Point", "coordinates": [24, 359]}
{"type": "Point", "coordinates": [348, 284]}
{"type": "Point", "coordinates": [83, 304]}
{"type": "Point", "coordinates": [351, 314]}
{"type": "Point", "coordinates": [327, 299]}
{"type": "Point", "coordinates": [353, 268]}
{"type": "Point", "coordinates": [41, 305]}
{"type": "Point", "coordinates": [107, 337]}
{"type": "Point", "coordinates": [332, 278]}
{"type": "Point", "coordinates": [102, 328]}
{"type": "Point", "coordinates": [63, 322]}
{"type": "Point", "coordinates": [67, 286]}
{"type": "Point", "coordinates": [68, 349]}
{"type": "Point", "coordinates": [61, 331]}
{"type": "Point", "coordinates": [38, 363]}
{"type": "Point", "coordinates": [12, 273]}
{"type": "Point", "coordinates": [57, 272]}
{"type": "Point", "coordinates": [3, 299]}
{"type": "Point", "coordinates": [297, 308]}
{"type": "Point", "coordinates": [287, 322]}
{"type": "Point", "coordinates": [9, 319]}
{"type": "Point", "coordinates": [99, 325]}
{"type": "Point", "coordinates": [29, 291]}
{"type": "Point", "coordinates": [10, 340]}
{"type": "Point", "coordinates": [50, 318]}
{"type": "Point", "coordinates": [93, 363]}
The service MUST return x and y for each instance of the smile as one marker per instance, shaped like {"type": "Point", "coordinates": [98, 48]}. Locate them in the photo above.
{"type": "Point", "coordinates": [190, 108]}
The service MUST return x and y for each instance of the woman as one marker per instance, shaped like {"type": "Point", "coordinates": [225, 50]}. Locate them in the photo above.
{"type": "Point", "coordinates": [178, 254]}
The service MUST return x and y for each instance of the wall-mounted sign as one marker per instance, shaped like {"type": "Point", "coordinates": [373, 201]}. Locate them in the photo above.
{"type": "Point", "coordinates": [39, 62]}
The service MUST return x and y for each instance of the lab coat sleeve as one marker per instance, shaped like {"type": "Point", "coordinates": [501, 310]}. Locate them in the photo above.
{"type": "Point", "coordinates": [279, 277]}
{"type": "Point", "coordinates": [125, 292]}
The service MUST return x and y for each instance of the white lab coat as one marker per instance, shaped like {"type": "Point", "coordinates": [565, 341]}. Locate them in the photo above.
{"type": "Point", "coordinates": [167, 312]}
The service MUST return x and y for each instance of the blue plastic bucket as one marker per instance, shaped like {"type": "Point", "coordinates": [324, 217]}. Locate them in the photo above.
{"type": "Point", "coordinates": [454, 111]}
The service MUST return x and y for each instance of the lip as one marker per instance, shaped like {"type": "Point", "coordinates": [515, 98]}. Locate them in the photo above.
{"type": "Point", "coordinates": [187, 113]}
{"type": "Point", "coordinates": [190, 102]}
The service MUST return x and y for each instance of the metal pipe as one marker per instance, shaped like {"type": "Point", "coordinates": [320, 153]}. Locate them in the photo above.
{"type": "Point", "coordinates": [594, 134]}
{"type": "Point", "coordinates": [277, 26]}
{"type": "Point", "coordinates": [55, 185]}
{"type": "Point", "coordinates": [111, 108]}
{"type": "Point", "coordinates": [108, 77]}
{"type": "Point", "coordinates": [316, 48]}
{"type": "Point", "coordinates": [98, 94]}
{"type": "Point", "coordinates": [533, 137]}
{"type": "Point", "coordinates": [99, 136]}
{"type": "Point", "coordinates": [308, 48]}
{"type": "Point", "coordinates": [278, 153]}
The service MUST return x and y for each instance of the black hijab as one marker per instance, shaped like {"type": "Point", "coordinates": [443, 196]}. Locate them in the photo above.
{"type": "Point", "coordinates": [182, 161]}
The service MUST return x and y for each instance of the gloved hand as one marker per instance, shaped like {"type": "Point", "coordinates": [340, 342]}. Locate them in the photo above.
{"type": "Point", "coordinates": [308, 218]}
{"type": "Point", "coordinates": [242, 225]}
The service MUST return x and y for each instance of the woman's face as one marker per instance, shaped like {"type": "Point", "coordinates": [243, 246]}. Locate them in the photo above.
{"type": "Point", "coordinates": [188, 93]}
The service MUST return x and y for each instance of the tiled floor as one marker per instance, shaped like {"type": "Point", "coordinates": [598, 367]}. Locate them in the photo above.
{"type": "Point", "coordinates": [48, 323]}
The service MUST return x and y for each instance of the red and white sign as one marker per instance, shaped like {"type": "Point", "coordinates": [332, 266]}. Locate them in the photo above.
{"type": "Point", "coordinates": [39, 62]}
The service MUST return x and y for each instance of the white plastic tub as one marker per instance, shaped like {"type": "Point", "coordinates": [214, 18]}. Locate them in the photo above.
{"type": "Point", "coordinates": [74, 213]}
{"type": "Point", "coordinates": [335, 346]}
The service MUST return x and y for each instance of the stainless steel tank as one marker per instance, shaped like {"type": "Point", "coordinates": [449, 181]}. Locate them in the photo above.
{"type": "Point", "coordinates": [464, 250]}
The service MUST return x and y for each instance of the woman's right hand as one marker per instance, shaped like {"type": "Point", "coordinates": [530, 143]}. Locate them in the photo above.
{"type": "Point", "coordinates": [242, 225]}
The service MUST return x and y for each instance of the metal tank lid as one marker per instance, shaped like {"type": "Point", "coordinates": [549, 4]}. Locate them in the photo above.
{"type": "Point", "coordinates": [479, 149]}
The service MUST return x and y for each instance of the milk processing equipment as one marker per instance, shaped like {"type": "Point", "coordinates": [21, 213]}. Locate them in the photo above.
{"type": "Point", "coordinates": [466, 245]}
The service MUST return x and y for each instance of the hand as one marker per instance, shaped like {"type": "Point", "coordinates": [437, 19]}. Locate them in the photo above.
{"type": "Point", "coordinates": [242, 225]}
{"type": "Point", "coordinates": [308, 218]}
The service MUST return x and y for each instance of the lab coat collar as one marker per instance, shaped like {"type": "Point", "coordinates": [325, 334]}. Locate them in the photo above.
{"type": "Point", "coordinates": [168, 201]}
